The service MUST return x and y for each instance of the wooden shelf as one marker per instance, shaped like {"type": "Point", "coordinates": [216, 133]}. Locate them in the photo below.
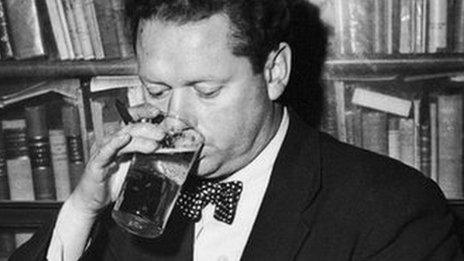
{"type": "Point", "coordinates": [428, 66]}
{"type": "Point", "coordinates": [384, 67]}
{"type": "Point", "coordinates": [66, 69]}
{"type": "Point", "coordinates": [24, 215]}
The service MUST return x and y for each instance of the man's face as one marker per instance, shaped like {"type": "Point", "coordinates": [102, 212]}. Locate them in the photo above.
{"type": "Point", "coordinates": [190, 70]}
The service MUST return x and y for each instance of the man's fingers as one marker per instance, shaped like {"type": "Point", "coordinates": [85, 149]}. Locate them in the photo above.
{"type": "Point", "coordinates": [145, 130]}
{"type": "Point", "coordinates": [144, 110]}
{"type": "Point", "coordinates": [139, 144]}
{"type": "Point", "coordinates": [109, 150]}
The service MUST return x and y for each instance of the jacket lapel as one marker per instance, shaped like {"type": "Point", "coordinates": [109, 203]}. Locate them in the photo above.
{"type": "Point", "coordinates": [295, 181]}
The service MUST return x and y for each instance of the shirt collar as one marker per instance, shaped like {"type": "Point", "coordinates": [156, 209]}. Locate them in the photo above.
{"type": "Point", "coordinates": [264, 162]}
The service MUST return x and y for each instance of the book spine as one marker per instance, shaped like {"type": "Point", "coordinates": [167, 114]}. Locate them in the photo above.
{"type": "Point", "coordinates": [433, 139]}
{"type": "Point", "coordinates": [57, 29]}
{"type": "Point", "coordinates": [6, 51]}
{"type": "Point", "coordinates": [65, 28]}
{"type": "Point", "coordinates": [417, 122]}
{"type": "Point", "coordinates": [329, 120]}
{"type": "Point", "coordinates": [4, 188]}
{"type": "Point", "coordinates": [71, 124]}
{"type": "Point", "coordinates": [39, 152]}
{"type": "Point", "coordinates": [449, 117]}
{"type": "Point", "coordinates": [459, 27]}
{"type": "Point", "coordinates": [360, 26]}
{"type": "Point", "coordinates": [60, 163]}
{"type": "Point", "coordinates": [26, 37]}
{"type": "Point", "coordinates": [393, 137]}
{"type": "Point", "coordinates": [341, 26]}
{"type": "Point", "coordinates": [7, 244]}
{"type": "Point", "coordinates": [82, 29]}
{"type": "Point", "coordinates": [392, 25]}
{"type": "Point", "coordinates": [340, 109]}
{"type": "Point", "coordinates": [107, 29]}
{"type": "Point", "coordinates": [72, 27]}
{"type": "Point", "coordinates": [350, 119]}
{"type": "Point", "coordinates": [419, 18]}
{"type": "Point", "coordinates": [91, 17]}
{"type": "Point", "coordinates": [405, 26]}
{"type": "Point", "coordinates": [380, 39]}
{"type": "Point", "coordinates": [437, 31]}
{"type": "Point", "coordinates": [425, 148]}
{"type": "Point", "coordinates": [374, 128]}
{"type": "Point", "coordinates": [406, 128]}
{"type": "Point", "coordinates": [17, 160]}
{"type": "Point", "coordinates": [125, 45]}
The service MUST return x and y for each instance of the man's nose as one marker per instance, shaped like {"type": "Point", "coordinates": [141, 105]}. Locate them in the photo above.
{"type": "Point", "coordinates": [180, 104]}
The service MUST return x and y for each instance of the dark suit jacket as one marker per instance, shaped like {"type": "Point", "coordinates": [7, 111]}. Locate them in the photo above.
{"type": "Point", "coordinates": [325, 201]}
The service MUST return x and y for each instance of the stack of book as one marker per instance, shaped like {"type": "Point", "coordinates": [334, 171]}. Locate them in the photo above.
{"type": "Point", "coordinates": [63, 29]}
{"type": "Point", "coordinates": [361, 27]}
{"type": "Point", "coordinates": [423, 130]}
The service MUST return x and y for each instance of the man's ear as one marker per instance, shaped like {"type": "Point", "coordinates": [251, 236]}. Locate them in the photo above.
{"type": "Point", "coordinates": [277, 70]}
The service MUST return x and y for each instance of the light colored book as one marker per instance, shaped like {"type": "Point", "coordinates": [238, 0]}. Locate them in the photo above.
{"type": "Point", "coordinates": [94, 31]}
{"type": "Point", "coordinates": [83, 29]}
{"type": "Point", "coordinates": [57, 29]}
{"type": "Point", "coordinates": [382, 102]}
{"type": "Point", "coordinates": [59, 154]}
{"type": "Point", "coordinates": [437, 26]}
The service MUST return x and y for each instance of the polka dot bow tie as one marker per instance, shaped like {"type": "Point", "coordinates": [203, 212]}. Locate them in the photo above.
{"type": "Point", "coordinates": [224, 195]}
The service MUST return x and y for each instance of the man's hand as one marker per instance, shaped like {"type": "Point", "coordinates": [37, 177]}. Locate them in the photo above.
{"type": "Point", "coordinates": [95, 189]}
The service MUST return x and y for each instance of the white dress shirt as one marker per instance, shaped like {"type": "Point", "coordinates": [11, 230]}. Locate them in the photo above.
{"type": "Point", "coordinates": [214, 240]}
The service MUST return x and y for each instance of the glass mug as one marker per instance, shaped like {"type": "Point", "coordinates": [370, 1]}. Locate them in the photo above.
{"type": "Point", "coordinates": [154, 181]}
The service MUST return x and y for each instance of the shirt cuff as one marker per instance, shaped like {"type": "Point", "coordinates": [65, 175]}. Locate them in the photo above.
{"type": "Point", "coordinates": [71, 234]}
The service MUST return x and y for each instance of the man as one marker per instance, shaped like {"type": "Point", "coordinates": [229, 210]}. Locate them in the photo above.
{"type": "Point", "coordinates": [223, 65]}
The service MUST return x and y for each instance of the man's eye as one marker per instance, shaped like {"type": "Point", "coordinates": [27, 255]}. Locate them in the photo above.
{"type": "Point", "coordinates": [208, 92]}
{"type": "Point", "coordinates": [159, 94]}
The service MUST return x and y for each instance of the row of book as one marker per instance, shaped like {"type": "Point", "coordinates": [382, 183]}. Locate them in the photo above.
{"type": "Point", "coordinates": [424, 131]}
{"type": "Point", "coordinates": [362, 27]}
{"type": "Point", "coordinates": [63, 29]}
{"type": "Point", "coordinates": [40, 159]}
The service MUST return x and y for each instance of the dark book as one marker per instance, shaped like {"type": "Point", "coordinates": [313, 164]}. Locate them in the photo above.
{"type": "Point", "coordinates": [39, 152]}
{"type": "Point", "coordinates": [425, 141]}
{"type": "Point", "coordinates": [394, 137]}
{"type": "Point", "coordinates": [6, 51]}
{"type": "Point", "coordinates": [7, 244]}
{"type": "Point", "coordinates": [71, 125]}
{"type": "Point", "coordinates": [459, 27]}
{"type": "Point", "coordinates": [329, 117]}
{"type": "Point", "coordinates": [4, 187]}
{"type": "Point", "coordinates": [108, 32]}
{"type": "Point", "coordinates": [374, 131]}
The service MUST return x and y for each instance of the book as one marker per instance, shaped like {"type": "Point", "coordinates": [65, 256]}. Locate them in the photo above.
{"type": "Point", "coordinates": [406, 139]}
{"type": "Point", "coordinates": [7, 243]}
{"type": "Point", "coordinates": [339, 88]}
{"type": "Point", "coordinates": [17, 159]}
{"type": "Point", "coordinates": [71, 124]}
{"type": "Point", "coordinates": [374, 131]}
{"type": "Point", "coordinates": [4, 187]}
{"type": "Point", "coordinates": [382, 102]}
{"type": "Point", "coordinates": [394, 137]}
{"type": "Point", "coordinates": [420, 25]}
{"type": "Point", "coordinates": [380, 19]}
{"type": "Point", "coordinates": [94, 31]}
{"type": "Point", "coordinates": [437, 26]}
{"type": "Point", "coordinates": [433, 138]}
{"type": "Point", "coordinates": [57, 29]}
{"type": "Point", "coordinates": [60, 160]}
{"type": "Point", "coordinates": [329, 113]}
{"type": "Point", "coordinates": [450, 178]}
{"type": "Point", "coordinates": [107, 29]}
{"type": "Point", "coordinates": [360, 26]}
{"type": "Point", "coordinates": [26, 38]}
{"type": "Point", "coordinates": [417, 124]}
{"type": "Point", "coordinates": [125, 44]}
{"type": "Point", "coordinates": [6, 50]}
{"type": "Point", "coordinates": [406, 21]}
{"type": "Point", "coordinates": [39, 152]}
{"type": "Point", "coordinates": [65, 28]}
{"type": "Point", "coordinates": [459, 27]}
{"type": "Point", "coordinates": [392, 25]}
{"type": "Point", "coordinates": [82, 27]}
{"type": "Point", "coordinates": [341, 23]}
{"type": "Point", "coordinates": [72, 29]}
{"type": "Point", "coordinates": [425, 139]}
